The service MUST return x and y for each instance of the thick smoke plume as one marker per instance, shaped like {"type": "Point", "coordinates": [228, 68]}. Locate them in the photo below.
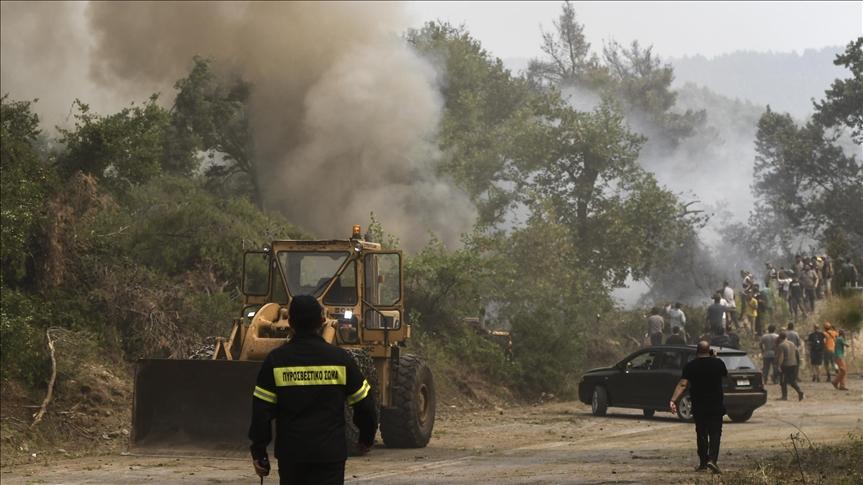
{"type": "Point", "coordinates": [343, 113]}
{"type": "Point", "coordinates": [44, 52]}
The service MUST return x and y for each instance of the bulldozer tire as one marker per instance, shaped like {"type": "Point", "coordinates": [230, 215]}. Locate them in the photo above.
{"type": "Point", "coordinates": [367, 367]}
{"type": "Point", "coordinates": [410, 420]}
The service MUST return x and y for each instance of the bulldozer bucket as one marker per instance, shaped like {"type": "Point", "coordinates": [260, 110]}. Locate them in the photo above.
{"type": "Point", "coordinates": [190, 405]}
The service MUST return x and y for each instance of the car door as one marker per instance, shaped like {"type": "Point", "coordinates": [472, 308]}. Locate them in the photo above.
{"type": "Point", "coordinates": [661, 381]}
{"type": "Point", "coordinates": [630, 384]}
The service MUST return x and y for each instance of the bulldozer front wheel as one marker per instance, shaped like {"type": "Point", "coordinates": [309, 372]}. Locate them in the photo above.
{"type": "Point", "coordinates": [408, 423]}
{"type": "Point", "coordinates": [367, 367]}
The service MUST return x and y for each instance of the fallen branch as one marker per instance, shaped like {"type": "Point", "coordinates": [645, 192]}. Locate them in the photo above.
{"type": "Point", "coordinates": [38, 416]}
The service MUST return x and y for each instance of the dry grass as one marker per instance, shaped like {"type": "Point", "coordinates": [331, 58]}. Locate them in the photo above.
{"type": "Point", "coordinates": [807, 462]}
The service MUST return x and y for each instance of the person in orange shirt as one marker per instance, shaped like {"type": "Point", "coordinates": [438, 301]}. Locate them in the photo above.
{"type": "Point", "coordinates": [830, 335]}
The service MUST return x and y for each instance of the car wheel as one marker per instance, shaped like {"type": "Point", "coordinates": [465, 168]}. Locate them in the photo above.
{"type": "Point", "coordinates": [684, 408]}
{"type": "Point", "coordinates": [648, 413]}
{"type": "Point", "coordinates": [741, 417]}
{"type": "Point", "coordinates": [599, 402]}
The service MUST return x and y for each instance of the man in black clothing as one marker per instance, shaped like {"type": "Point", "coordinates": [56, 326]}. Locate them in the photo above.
{"type": "Point", "coordinates": [816, 353]}
{"type": "Point", "coordinates": [304, 385]}
{"type": "Point", "coordinates": [703, 376]}
{"type": "Point", "coordinates": [795, 297]}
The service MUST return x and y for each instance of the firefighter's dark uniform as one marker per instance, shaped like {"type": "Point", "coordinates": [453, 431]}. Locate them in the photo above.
{"type": "Point", "coordinates": [304, 386]}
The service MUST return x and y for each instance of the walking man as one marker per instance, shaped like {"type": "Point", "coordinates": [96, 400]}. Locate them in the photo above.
{"type": "Point", "coordinates": [787, 360]}
{"type": "Point", "coordinates": [768, 353]}
{"type": "Point", "coordinates": [703, 376]}
{"type": "Point", "coordinates": [815, 341]}
{"type": "Point", "coordinates": [304, 385]}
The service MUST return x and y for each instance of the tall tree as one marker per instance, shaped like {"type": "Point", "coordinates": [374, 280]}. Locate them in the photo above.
{"type": "Point", "coordinates": [484, 108]}
{"type": "Point", "coordinates": [632, 74]}
{"type": "Point", "coordinates": [843, 102]}
{"type": "Point", "coordinates": [804, 178]}
{"type": "Point", "coordinates": [567, 50]}
{"type": "Point", "coordinates": [637, 77]}
{"type": "Point", "coordinates": [211, 115]}
{"type": "Point", "coordinates": [584, 166]}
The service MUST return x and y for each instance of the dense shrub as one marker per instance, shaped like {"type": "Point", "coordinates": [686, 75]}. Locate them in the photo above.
{"type": "Point", "coordinates": [22, 333]}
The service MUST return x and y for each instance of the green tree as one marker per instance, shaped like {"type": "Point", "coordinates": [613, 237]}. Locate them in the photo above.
{"type": "Point", "coordinates": [484, 107]}
{"type": "Point", "coordinates": [567, 50]}
{"type": "Point", "coordinates": [643, 83]}
{"type": "Point", "coordinates": [27, 183]}
{"type": "Point", "coordinates": [121, 149]}
{"type": "Point", "coordinates": [584, 165]}
{"type": "Point", "coordinates": [843, 102]}
{"type": "Point", "coordinates": [211, 114]}
{"type": "Point", "coordinates": [803, 178]}
{"type": "Point", "coordinates": [632, 75]}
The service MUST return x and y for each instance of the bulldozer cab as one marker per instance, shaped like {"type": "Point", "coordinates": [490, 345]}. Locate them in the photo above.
{"type": "Point", "coordinates": [360, 287]}
{"type": "Point", "coordinates": [358, 284]}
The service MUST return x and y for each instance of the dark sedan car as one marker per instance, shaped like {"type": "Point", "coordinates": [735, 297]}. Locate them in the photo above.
{"type": "Point", "coordinates": [646, 380]}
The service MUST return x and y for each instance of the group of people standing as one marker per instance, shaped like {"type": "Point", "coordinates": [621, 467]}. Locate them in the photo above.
{"type": "Point", "coordinates": [656, 325]}
{"type": "Point", "coordinates": [782, 356]}
{"type": "Point", "coordinates": [811, 278]}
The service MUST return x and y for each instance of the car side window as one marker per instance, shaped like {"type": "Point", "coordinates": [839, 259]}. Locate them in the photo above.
{"type": "Point", "coordinates": [671, 360]}
{"type": "Point", "coordinates": [642, 361]}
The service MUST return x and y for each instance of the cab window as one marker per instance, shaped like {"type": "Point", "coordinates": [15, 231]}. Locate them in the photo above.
{"type": "Point", "coordinates": [344, 290]}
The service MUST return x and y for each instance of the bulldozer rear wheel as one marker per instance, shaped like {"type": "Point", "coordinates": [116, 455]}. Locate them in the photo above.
{"type": "Point", "coordinates": [367, 367]}
{"type": "Point", "coordinates": [408, 423]}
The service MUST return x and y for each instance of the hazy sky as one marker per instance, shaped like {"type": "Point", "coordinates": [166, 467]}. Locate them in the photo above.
{"type": "Point", "coordinates": [512, 29]}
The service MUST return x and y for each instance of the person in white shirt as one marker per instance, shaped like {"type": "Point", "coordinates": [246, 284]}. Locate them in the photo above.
{"type": "Point", "coordinates": [728, 300]}
{"type": "Point", "coordinates": [676, 316]}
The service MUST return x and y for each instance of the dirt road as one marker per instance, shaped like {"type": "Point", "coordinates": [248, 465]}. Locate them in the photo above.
{"type": "Point", "coordinates": [551, 443]}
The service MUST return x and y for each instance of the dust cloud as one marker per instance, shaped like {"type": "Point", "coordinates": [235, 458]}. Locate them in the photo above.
{"type": "Point", "coordinates": [344, 114]}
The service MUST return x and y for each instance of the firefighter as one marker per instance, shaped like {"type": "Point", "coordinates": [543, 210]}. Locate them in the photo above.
{"type": "Point", "coordinates": [304, 385]}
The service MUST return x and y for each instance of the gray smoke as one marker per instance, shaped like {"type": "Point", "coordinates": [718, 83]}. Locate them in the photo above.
{"type": "Point", "coordinates": [344, 114]}
{"type": "Point", "coordinates": [44, 53]}
{"type": "Point", "coordinates": [714, 166]}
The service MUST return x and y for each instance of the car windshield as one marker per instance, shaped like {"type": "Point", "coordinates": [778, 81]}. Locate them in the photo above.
{"type": "Point", "coordinates": [309, 272]}
{"type": "Point", "coordinates": [737, 361]}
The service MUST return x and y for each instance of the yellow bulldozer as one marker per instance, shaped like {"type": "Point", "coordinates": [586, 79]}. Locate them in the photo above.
{"type": "Point", "coordinates": [206, 403]}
